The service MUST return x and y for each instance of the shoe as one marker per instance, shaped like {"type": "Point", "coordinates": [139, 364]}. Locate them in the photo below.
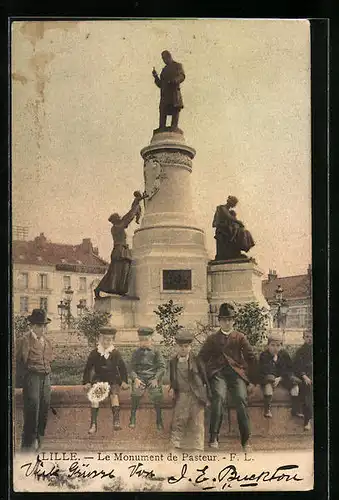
{"type": "Point", "coordinates": [132, 422]}
{"type": "Point", "coordinates": [213, 444]}
{"type": "Point", "coordinates": [268, 414]}
{"type": "Point", "coordinates": [299, 415]}
{"type": "Point", "coordinates": [247, 448]}
{"type": "Point", "coordinates": [307, 427]}
{"type": "Point", "coordinates": [92, 429]}
{"type": "Point", "coordinates": [116, 418]}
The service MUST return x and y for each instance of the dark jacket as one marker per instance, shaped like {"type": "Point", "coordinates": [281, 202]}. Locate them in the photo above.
{"type": "Point", "coordinates": [100, 369]}
{"type": "Point", "coordinates": [34, 356]}
{"type": "Point", "coordinates": [303, 361]}
{"type": "Point", "coordinates": [169, 82]}
{"type": "Point", "coordinates": [234, 350]}
{"type": "Point", "coordinates": [283, 367]}
{"type": "Point", "coordinates": [197, 378]}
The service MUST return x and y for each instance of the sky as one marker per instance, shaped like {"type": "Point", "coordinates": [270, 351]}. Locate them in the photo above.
{"type": "Point", "coordinates": [84, 104]}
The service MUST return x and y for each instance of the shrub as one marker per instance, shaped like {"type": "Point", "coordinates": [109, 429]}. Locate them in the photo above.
{"type": "Point", "coordinates": [90, 323]}
{"type": "Point", "coordinates": [251, 319]}
{"type": "Point", "coordinates": [168, 324]}
{"type": "Point", "coordinates": [20, 325]}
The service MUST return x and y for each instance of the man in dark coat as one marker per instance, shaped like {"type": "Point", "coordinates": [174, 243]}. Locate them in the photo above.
{"type": "Point", "coordinates": [105, 364]}
{"type": "Point", "coordinates": [169, 82]}
{"type": "Point", "coordinates": [230, 365]}
{"type": "Point", "coordinates": [35, 355]}
{"type": "Point", "coordinates": [303, 367]}
{"type": "Point", "coordinates": [276, 368]}
{"type": "Point", "coordinates": [190, 389]}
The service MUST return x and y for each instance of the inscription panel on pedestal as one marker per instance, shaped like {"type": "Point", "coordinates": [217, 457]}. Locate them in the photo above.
{"type": "Point", "coordinates": [176, 279]}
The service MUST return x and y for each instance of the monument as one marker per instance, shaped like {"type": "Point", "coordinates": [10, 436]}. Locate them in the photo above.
{"type": "Point", "coordinates": [169, 258]}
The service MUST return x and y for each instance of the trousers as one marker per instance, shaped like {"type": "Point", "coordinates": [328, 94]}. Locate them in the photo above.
{"type": "Point", "coordinates": [36, 395]}
{"type": "Point", "coordinates": [224, 381]}
{"type": "Point", "coordinates": [188, 429]}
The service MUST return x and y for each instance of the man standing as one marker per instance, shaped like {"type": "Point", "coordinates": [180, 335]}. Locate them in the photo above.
{"type": "Point", "coordinates": [35, 354]}
{"type": "Point", "coordinates": [169, 82]}
{"type": "Point", "coordinates": [230, 364]}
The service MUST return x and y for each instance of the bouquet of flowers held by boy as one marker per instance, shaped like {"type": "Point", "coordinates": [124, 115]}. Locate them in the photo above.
{"type": "Point", "coordinates": [98, 392]}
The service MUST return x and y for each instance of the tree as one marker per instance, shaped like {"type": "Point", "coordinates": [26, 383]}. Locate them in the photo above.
{"type": "Point", "coordinates": [168, 324]}
{"type": "Point", "coordinates": [20, 325]}
{"type": "Point", "coordinates": [252, 320]}
{"type": "Point", "coordinates": [90, 323]}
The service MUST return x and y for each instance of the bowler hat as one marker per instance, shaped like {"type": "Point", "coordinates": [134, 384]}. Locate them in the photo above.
{"type": "Point", "coordinates": [107, 330]}
{"type": "Point", "coordinates": [145, 331]}
{"type": "Point", "coordinates": [38, 317]}
{"type": "Point", "coordinates": [226, 310]}
{"type": "Point", "coordinates": [184, 337]}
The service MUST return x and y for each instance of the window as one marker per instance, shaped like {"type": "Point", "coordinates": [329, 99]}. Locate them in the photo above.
{"type": "Point", "coordinates": [42, 281]}
{"type": "Point", "coordinates": [67, 282]}
{"type": "Point", "coordinates": [180, 279]}
{"type": "Point", "coordinates": [43, 303]}
{"type": "Point", "coordinates": [23, 304]}
{"type": "Point", "coordinates": [23, 280]}
{"type": "Point", "coordinates": [82, 284]}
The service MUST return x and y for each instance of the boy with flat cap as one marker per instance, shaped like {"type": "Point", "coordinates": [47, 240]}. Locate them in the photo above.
{"type": "Point", "coordinates": [230, 365]}
{"type": "Point", "coordinates": [35, 356]}
{"type": "Point", "coordinates": [147, 371]}
{"type": "Point", "coordinates": [190, 389]}
{"type": "Point", "coordinates": [105, 364]}
{"type": "Point", "coordinates": [276, 368]}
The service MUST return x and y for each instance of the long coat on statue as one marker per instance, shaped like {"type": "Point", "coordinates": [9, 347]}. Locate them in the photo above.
{"type": "Point", "coordinates": [169, 82]}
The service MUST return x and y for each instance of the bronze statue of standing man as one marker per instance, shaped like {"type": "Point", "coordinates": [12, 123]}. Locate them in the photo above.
{"type": "Point", "coordinates": [171, 76]}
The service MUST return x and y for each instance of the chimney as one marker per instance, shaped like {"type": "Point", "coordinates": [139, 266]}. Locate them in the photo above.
{"type": "Point", "coordinates": [87, 245]}
{"type": "Point", "coordinates": [40, 240]}
{"type": "Point", "coordinates": [272, 275]}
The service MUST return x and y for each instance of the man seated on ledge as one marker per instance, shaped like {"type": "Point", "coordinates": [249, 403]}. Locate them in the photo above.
{"type": "Point", "coordinates": [230, 365]}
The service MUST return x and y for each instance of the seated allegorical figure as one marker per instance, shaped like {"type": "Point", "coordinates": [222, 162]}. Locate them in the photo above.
{"type": "Point", "coordinates": [230, 233]}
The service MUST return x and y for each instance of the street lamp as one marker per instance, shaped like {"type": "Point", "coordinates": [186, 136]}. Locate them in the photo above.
{"type": "Point", "coordinates": [81, 306]}
{"type": "Point", "coordinates": [282, 310]}
{"type": "Point", "coordinates": [64, 309]}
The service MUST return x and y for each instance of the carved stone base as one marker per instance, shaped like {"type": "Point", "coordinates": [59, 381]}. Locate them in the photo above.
{"type": "Point", "coordinates": [121, 308]}
{"type": "Point", "coordinates": [176, 130]}
{"type": "Point", "coordinates": [234, 282]}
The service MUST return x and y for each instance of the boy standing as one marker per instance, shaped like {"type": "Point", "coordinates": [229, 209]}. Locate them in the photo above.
{"type": "Point", "coordinates": [147, 371]}
{"type": "Point", "coordinates": [35, 355]}
{"type": "Point", "coordinates": [230, 365]}
{"type": "Point", "coordinates": [190, 389]}
{"type": "Point", "coordinates": [276, 368]}
{"type": "Point", "coordinates": [105, 364]}
{"type": "Point", "coordinates": [303, 366]}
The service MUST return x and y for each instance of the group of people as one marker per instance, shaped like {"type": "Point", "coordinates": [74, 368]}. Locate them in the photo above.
{"type": "Point", "coordinates": [226, 364]}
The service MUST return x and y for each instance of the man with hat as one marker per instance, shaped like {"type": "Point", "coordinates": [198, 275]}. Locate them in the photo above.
{"type": "Point", "coordinates": [35, 355]}
{"type": "Point", "coordinates": [276, 368]}
{"type": "Point", "coordinates": [105, 364]}
{"type": "Point", "coordinates": [230, 365]}
{"type": "Point", "coordinates": [190, 389]}
{"type": "Point", "coordinates": [147, 371]}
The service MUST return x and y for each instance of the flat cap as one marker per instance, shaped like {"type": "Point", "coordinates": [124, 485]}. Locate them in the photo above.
{"type": "Point", "coordinates": [145, 331]}
{"type": "Point", "coordinates": [107, 330]}
{"type": "Point", "coordinates": [274, 337]}
{"type": "Point", "coordinates": [184, 337]}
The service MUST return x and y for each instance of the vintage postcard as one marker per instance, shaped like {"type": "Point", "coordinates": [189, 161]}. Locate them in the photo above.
{"type": "Point", "coordinates": [162, 276]}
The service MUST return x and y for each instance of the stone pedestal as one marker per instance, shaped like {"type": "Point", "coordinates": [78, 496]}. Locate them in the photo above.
{"type": "Point", "coordinates": [169, 250]}
{"type": "Point", "coordinates": [234, 281]}
{"type": "Point", "coordinates": [122, 310]}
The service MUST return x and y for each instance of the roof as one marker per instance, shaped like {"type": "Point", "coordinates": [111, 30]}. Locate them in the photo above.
{"type": "Point", "coordinates": [42, 252]}
{"type": "Point", "coordinates": [293, 286]}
